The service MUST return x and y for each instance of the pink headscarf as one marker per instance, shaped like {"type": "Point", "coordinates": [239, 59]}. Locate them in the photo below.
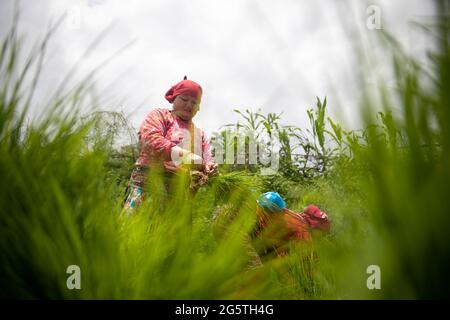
{"type": "Point", "coordinates": [317, 219]}
{"type": "Point", "coordinates": [186, 87]}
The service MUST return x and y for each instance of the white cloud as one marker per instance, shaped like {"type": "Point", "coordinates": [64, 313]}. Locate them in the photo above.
{"type": "Point", "coordinates": [246, 54]}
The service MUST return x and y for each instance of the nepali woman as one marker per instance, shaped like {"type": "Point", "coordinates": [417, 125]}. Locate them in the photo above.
{"type": "Point", "coordinates": [278, 226]}
{"type": "Point", "coordinates": [170, 143]}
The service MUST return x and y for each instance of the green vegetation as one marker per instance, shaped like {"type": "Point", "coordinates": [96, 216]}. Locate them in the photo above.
{"type": "Point", "coordinates": [385, 188]}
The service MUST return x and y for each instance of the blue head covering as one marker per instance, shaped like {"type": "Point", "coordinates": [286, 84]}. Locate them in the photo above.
{"type": "Point", "coordinates": [271, 201]}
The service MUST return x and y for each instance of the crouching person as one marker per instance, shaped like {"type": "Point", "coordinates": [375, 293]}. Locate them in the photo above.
{"type": "Point", "coordinates": [278, 226]}
{"type": "Point", "coordinates": [281, 231]}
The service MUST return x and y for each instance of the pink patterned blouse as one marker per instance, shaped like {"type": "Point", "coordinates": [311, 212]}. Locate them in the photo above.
{"type": "Point", "coordinates": [162, 130]}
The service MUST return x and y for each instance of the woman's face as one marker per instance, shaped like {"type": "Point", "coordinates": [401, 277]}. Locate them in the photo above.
{"type": "Point", "coordinates": [186, 107]}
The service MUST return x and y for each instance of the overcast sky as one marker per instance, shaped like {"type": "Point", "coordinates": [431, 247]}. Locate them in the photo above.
{"type": "Point", "coordinates": [273, 55]}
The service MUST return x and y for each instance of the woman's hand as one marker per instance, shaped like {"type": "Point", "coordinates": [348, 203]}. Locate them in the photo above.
{"type": "Point", "coordinates": [211, 168]}
{"type": "Point", "coordinates": [193, 161]}
{"type": "Point", "coordinates": [185, 158]}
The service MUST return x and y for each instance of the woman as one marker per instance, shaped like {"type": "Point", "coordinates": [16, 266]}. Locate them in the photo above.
{"type": "Point", "coordinates": [278, 225]}
{"type": "Point", "coordinates": [170, 142]}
